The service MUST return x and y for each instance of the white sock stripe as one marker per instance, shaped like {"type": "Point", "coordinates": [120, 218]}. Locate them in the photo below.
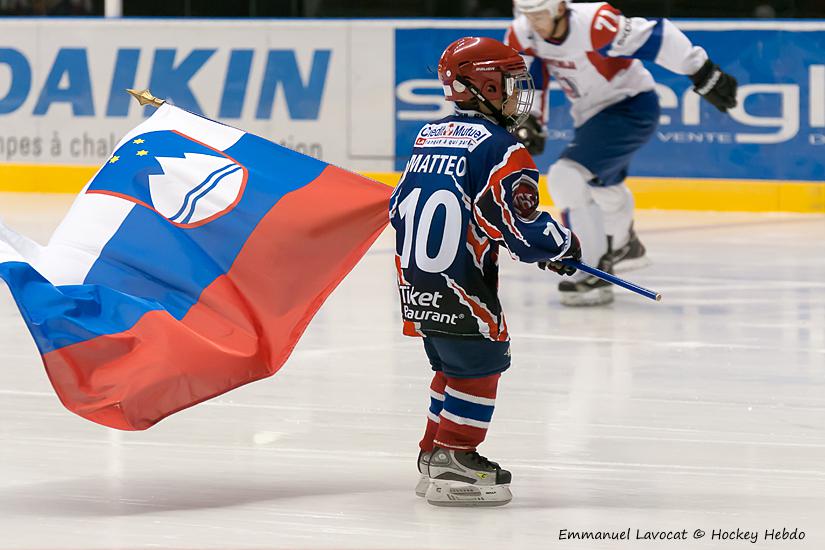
{"type": "Point", "coordinates": [464, 421]}
{"type": "Point", "coordinates": [433, 417]}
{"type": "Point", "coordinates": [437, 396]}
{"type": "Point", "coordinates": [470, 398]}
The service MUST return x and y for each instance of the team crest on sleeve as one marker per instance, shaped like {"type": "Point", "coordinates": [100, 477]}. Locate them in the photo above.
{"type": "Point", "coordinates": [459, 135]}
{"type": "Point", "coordinates": [181, 179]}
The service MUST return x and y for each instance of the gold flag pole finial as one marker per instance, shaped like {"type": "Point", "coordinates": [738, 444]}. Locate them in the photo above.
{"type": "Point", "coordinates": [145, 97]}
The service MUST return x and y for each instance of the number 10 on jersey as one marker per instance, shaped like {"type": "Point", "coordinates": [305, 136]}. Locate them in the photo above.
{"type": "Point", "coordinates": [450, 239]}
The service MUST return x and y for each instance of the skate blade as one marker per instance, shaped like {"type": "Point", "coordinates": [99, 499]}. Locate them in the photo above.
{"type": "Point", "coordinates": [632, 265]}
{"type": "Point", "coordinates": [595, 297]}
{"type": "Point", "coordinates": [456, 493]}
{"type": "Point", "coordinates": [422, 486]}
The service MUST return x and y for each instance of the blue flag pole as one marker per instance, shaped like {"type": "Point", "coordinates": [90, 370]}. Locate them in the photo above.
{"type": "Point", "coordinates": [653, 295]}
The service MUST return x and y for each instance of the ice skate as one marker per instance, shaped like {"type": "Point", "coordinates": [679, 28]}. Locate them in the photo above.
{"type": "Point", "coordinates": [424, 478]}
{"type": "Point", "coordinates": [630, 256]}
{"type": "Point", "coordinates": [589, 291]}
{"type": "Point", "coordinates": [465, 478]}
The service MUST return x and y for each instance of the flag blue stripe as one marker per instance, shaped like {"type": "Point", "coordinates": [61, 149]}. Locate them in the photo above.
{"type": "Point", "coordinates": [65, 315]}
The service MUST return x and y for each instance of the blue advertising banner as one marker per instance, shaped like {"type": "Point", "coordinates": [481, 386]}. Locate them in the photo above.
{"type": "Point", "coordinates": [777, 132]}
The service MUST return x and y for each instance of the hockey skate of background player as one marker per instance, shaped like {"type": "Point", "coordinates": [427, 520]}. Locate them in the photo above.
{"type": "Point", "coordinates": [594, 53]}
{"type": "Point", "coordinates": [469, 188]}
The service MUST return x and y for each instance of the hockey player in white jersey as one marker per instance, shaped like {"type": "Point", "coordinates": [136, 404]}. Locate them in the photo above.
{"type": "Point", "coordinates": [593, 51]}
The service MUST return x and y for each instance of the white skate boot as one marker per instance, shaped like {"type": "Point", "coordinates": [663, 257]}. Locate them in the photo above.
{"type": "Point", "coordinates": [423, 469]}
{"type": "Point", "coordinates": [589, 291]}
{"type": "Point", "coordinates": [465, 478]}
{"type": "Point", "coordinates": [630, 256]}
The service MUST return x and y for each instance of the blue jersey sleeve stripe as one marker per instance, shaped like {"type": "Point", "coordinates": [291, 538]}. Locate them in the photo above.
{"type": "Point", "coordinates": [650, 49]}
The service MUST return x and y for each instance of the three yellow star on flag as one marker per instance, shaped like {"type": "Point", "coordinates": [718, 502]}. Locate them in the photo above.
{"type": "Point", "coordinates": [142, 153]}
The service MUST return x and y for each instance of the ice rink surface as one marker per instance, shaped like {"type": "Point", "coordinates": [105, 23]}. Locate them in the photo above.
{"type": "Point", "coordinates": [705, 411]}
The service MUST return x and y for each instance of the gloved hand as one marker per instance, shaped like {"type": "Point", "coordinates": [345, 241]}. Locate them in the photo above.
{"type": "Point", "coordinates": [718, 87]}
{"type": "Point", "coordinates": [531, 135]}
{"type": "Point", "coordinates": [573, 253]}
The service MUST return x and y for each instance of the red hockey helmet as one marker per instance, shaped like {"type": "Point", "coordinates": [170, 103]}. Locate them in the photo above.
{"type": "Point", "coordinates": [487, 70]}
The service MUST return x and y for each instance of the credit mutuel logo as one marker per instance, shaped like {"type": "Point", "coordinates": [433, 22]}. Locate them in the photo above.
{"type": "Point", "coordinates": [452, 134]}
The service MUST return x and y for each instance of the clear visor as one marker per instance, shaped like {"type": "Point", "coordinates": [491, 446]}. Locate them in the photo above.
{"type": "Point", "coordinates": [519, 91]}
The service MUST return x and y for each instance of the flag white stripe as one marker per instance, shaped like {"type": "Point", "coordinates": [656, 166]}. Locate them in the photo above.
{"type": "Point", "coordinates": [76, 244]}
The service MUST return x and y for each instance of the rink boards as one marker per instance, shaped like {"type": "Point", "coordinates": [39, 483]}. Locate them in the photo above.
{"type": "Point", "coordinates": [355, 92]}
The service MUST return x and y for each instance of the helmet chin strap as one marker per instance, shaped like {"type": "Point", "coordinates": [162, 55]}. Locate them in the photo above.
{"type": "Point", "coordinates": [502, 119]}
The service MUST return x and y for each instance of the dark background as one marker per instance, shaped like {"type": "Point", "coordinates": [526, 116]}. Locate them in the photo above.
{"type": "Point", "coordinates": [405, 8]}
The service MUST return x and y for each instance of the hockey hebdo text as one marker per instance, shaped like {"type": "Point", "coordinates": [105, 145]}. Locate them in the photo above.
{"type": "Point", "coordinates": [736, 535]}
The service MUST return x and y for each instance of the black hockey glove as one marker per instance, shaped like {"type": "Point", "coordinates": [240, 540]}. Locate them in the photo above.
{"type": "Point", "coordinates": [573, 253]}
{"type": "Point", "coordinates": [531, 135]}
{"type": "Point", "coordinates": [718, 87]}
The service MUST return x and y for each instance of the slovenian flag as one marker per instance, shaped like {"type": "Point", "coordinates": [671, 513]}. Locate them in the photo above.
{"type": "Point", "coordinates": [188, 266]}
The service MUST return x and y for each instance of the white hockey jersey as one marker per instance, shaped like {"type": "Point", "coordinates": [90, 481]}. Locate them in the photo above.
{"type": "Point", "coordinates": [597, 62]}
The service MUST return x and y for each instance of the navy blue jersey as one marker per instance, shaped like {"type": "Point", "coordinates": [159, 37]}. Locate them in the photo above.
{"type": "Point", "coordinates": [468, 188]}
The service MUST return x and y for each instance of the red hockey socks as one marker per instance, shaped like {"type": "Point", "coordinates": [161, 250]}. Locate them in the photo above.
{"type": "Point", "coordinates": [436, 404]}
{"type": "Point", "coordinates": [467, 410]}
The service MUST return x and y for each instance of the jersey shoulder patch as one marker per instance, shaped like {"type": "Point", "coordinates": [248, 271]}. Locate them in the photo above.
{"type": "Point", "coordinates": [453, 134]}
{"type": "Point", "coordinates": [605, 26]}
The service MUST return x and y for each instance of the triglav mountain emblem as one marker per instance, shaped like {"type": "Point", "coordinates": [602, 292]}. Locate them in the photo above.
{"type": "Point", "coordinates": [196, 188]}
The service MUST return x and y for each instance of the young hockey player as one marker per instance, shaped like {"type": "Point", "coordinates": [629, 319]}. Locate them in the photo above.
{"type": "Point", "coordinates": [593, 52]}
{"type": "Point", "coordinates": [469, 188]}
